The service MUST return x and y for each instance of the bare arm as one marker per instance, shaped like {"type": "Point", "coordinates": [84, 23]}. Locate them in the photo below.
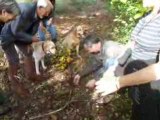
{"type": "Point", "coordinates": [109, 83]}
{"type": "Point", "coordinates": [148, 74]}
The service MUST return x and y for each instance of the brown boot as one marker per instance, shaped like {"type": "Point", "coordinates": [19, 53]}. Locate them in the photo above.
{"type": "Point", "coordinates": [29, 69]}
{"type": "Point", "coordinates": [16, 86]}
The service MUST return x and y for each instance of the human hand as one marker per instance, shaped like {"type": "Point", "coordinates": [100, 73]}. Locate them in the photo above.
{"type": "Point", "coordinates": [49, 22]}
{"type": "Point", "coordinates": [35, 39]}
{"type": "Point", "coordinates": [76, 79]}
{"type": "Point", "coordinates": [107, 85]}
{"type": "Point", "coordinates": [42, 26]}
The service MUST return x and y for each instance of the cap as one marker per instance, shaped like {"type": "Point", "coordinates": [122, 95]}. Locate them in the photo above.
{"type": "Point", "coordinates": [42, 3]}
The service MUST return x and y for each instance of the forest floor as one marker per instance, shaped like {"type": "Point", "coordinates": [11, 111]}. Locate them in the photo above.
{"type": "Point", "coordinates": [57, 98]}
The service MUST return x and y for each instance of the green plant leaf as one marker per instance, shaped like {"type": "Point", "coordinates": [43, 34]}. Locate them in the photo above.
{"type": "Point", "coordinates": [123, 1]}
{"type": "Point", "coordinates": [138, 15]}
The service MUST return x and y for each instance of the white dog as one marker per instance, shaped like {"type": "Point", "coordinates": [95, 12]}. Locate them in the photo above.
{"type": "Point", "coordinates": [40, 49]}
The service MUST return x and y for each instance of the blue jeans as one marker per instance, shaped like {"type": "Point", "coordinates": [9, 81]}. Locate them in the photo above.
{"type": "Point", "coordinates": [50, 28]}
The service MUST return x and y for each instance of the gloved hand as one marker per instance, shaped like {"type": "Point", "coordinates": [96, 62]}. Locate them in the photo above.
{"type": "Point", "coordinates": [108, 84]}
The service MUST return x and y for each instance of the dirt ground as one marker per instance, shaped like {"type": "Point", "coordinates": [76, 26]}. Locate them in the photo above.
{"type": "Point", "coordinates": [57, 98]}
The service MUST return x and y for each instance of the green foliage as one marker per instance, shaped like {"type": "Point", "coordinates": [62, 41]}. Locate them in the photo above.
{"type": "Point", "coordinates": [72, 5]}
{"type": "Point", "coordinates": [127, 13]}
{"type": "Point", "coordinates": [62, 59]}
{"type": "Point", "coordinates": [79, 4]}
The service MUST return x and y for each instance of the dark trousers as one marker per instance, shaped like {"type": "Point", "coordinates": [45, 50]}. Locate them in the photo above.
{"type": "Point", "coordinates": [13, 55]}
{"type": "Point", "coordinates": [146, 97]}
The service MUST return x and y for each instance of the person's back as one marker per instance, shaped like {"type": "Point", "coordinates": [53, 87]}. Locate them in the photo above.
{"type": "Point", "coordinates": [10, 11]}
{"type": "Point", "coordinates": [110, 52]}
{"type": "Point", "coordinates": [23, 32]}
{"type": "Point", "coordinates": [24, 1]}
{"type": "Point", "coordinates": [24, 4]}
{"type": "Point", "coordinates": [111, 49]}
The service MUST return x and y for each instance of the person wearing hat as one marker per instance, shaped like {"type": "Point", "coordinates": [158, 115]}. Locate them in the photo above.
{"type": "Point", "coordinates": [49, 26]}
{"type": "Point", "coordinates": [22, 33]}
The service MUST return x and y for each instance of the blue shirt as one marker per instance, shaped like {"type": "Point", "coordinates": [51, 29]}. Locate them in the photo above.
{"type": "Point", "coordinates": [25, 25]}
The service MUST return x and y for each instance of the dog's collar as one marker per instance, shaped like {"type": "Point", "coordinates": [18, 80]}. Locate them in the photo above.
{"type": "Point", "coordinates": [43, 48]}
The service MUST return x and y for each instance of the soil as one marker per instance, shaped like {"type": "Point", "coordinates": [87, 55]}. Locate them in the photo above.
{"type": "Point", "coordinates": [57, 98]}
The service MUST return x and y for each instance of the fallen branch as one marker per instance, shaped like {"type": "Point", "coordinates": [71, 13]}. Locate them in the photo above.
{"type": "Point", "coordinates": [56, 111]}
{"type": "Point", "coordinates": [53, 112]}
{"type": "Point", "coordinates": [50, 113]}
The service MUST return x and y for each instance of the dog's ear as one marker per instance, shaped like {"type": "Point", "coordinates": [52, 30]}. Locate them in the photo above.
{"type": "Point", "coordinates": [49, 47]}
{"type": "Point", "coordinates": [79, 31]}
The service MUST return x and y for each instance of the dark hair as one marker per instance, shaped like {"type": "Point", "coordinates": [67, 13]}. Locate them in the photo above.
{"type": "Point", "coordinates": [53, 2]}
{"type": "Point", "coordinates": [134, 66]}
{"type": "Point", "coordinates": [9, 6]}
{"type": "Point", "coordinates": [91, 39]}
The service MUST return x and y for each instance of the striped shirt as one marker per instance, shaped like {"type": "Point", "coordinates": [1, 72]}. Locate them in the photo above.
{"type": "Point", "coordinates": [146, 35]}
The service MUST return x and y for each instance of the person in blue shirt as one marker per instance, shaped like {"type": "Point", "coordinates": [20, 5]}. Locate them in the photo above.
{"type": "Point", "coordinates": [21, 33]}
{"type": "Point", "coordinates": [8, 11]}
{"type": "Point", "coordinates": [49, 26]}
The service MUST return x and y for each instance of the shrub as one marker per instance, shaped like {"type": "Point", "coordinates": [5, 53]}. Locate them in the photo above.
{"type": "Point", "coordinates": [126, 14]}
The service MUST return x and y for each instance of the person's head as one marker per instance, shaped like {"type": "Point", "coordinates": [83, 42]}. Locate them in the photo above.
{"type": "Point", "coordinates": [53, 2]}
{"type": "Point", "coordinates": [92, 44]}
{"type": "Point", "coordinates": [151, 3]}
{"type": "Point", "coordinates": [8, 10]}
{"type": "Point", "coordinates": [44, 8]}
